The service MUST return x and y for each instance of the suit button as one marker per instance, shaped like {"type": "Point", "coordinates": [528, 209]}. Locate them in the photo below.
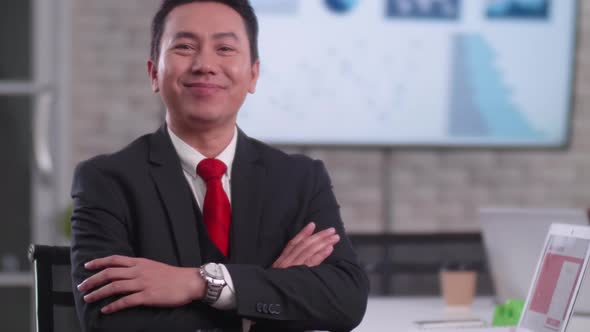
{"type": "Point", "coordinates": [265, 308]}
{"type": "Point", "coordinates": [259, 307]}
{"type": "Point", "coordinates": [274, 309]}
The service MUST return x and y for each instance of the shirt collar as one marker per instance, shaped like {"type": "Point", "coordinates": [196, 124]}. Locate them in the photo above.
{"type": "Point", "coordinates": [190, 158]}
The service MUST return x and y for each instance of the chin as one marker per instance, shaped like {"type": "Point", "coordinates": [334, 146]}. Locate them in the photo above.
{"type": "Point", "coordinates": [206, 118]}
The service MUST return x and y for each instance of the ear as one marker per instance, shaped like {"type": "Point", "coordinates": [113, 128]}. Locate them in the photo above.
{"type": "Point", "coordinates": [255, 73]}
{"type": "Point", "coordinates": [152, 71]}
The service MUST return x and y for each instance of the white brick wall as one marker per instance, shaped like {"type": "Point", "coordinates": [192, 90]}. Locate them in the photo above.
{"type": "Point", "coordinates": [429, 189]}
{"type": "Point", "coordinates": [112, 101]}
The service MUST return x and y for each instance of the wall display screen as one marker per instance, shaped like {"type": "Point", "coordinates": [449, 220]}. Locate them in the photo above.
{"type": "Point", "coordinates": [413, 72]}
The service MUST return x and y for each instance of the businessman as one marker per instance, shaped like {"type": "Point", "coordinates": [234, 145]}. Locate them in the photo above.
{"type": "Point", "coordinates": [198, 226]}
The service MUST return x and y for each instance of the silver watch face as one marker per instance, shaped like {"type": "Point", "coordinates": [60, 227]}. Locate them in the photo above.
{"type": "Point", "coordinates": [213, 270]}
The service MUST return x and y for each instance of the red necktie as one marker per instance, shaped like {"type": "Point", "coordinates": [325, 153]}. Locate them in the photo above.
{"type": "Point", "coordinates": [216, 208]}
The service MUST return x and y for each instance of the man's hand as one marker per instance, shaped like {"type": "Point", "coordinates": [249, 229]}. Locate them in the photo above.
{"type": "Point", "coordinates": [307, 248]}
{"type": "Point", "coordinates": [142, 281]}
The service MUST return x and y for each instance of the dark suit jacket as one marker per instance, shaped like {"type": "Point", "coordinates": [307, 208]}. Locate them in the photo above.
{"type": "Point", "coordinates": [137, 202]}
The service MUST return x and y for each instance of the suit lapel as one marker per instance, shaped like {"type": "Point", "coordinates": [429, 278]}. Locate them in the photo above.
{"type": "Point", "coordinates": [247, 184]}
{"type": "Point", "coordinates": [176, 197]}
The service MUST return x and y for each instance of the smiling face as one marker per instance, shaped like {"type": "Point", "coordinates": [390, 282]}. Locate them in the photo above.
{"type": "Point", "coordinates": [204, 70]}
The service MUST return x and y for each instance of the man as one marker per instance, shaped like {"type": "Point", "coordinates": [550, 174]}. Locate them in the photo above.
{"type": "Point", "coordinates": [198, 226]}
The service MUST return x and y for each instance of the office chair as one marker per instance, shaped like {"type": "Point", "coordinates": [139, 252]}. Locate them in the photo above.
{"type": "Point", "coordinates": [53, 289]}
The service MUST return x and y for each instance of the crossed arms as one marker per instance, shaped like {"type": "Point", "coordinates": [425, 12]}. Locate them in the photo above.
{"type": "Point", "coordinates": [144, 282]}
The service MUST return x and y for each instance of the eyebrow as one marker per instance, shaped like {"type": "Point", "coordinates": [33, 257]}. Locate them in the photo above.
{"type": "Point", "coordinates": [184, 34]}
{"type": "Point", "coordinates": [217, 35]}
{"type": "Point", "coordinates": [222, 35]}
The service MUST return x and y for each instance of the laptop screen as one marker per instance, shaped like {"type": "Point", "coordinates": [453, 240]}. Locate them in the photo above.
{"type": "Point", "coordinates": [555, 283]}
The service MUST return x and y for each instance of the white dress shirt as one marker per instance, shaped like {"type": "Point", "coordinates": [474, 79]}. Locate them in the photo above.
{"type": "Point", "coordinates": [189, 159]}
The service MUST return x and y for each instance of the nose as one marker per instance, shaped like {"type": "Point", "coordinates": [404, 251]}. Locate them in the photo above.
{"type": "Point", "coordinates": [204, 63]}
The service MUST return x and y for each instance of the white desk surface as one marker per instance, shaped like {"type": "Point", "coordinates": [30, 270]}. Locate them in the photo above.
{"type": "Point", "coordinates": [400, 313]}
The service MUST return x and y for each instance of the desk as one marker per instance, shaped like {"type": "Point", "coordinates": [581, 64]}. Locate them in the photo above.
{"type": "Point", "coordinates": [399, 313]}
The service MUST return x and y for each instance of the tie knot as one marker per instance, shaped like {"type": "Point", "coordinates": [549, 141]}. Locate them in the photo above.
{"type": "Point", "coordinates": [211, 169]}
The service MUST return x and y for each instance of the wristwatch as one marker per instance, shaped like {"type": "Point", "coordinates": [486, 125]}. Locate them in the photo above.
{"type": "Point", "coordinates": [212, 274]}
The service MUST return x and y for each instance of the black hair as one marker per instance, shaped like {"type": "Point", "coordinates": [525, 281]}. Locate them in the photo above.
{"type": "Point", "coordinates": [242, 7]}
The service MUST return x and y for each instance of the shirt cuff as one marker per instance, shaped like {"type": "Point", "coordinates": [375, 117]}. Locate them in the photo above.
{"type": "Point", "coordinates": [227, 298]}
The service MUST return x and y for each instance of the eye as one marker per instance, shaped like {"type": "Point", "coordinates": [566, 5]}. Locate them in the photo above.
{"type": "Point", "coordinates": [225, 49]}
{"type": "Point", "coordinates": [182, 47]}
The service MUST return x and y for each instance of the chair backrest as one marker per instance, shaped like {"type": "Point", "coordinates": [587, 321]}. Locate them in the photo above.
{"type": "Point", "coordinates": [409, 264]}
{"type": "Point", "coordinates": [53, 289]}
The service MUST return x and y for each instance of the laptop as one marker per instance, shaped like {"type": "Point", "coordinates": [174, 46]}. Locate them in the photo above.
{"type": "Point", "coordinates": [503, 232]}
{"type": "Point", "coordinates": [555, 284]}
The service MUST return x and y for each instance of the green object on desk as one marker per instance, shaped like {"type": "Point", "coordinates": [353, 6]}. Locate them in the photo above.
{"type": "Point", "coordinates": [508, 314]}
